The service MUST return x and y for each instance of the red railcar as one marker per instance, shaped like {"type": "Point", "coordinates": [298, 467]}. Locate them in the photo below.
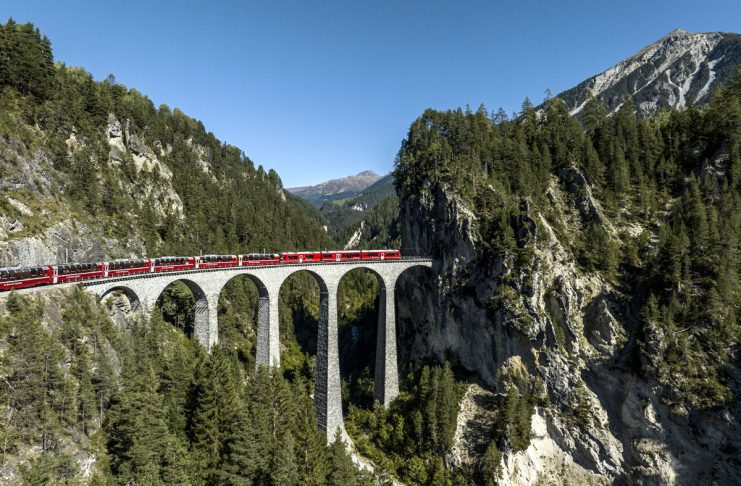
{"type": "Point", "coordinates": [173, 264]}
{"type": "Point", "coordinates": [301, 257]}
{"type": "Point", "coordinates": [119, 268]}
{"type": "Point", "coordinates": [252, 259]}
{"type": "Point", "coordinates": [380, 255]}
{"type": "Point", "coordinates": [75, 272]}
{"type": "Point", "coordinates": [21, 278]}
{"type": "Point", "coordinates": [341, 256]}
{"type": "Point", "coordinates": [216, 261]}
{"type": "Point", "coordinates": [18, 278]}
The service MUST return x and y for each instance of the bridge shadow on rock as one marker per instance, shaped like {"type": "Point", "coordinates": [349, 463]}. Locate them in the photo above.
{"type": "Point", "coordinates": [416, 317]}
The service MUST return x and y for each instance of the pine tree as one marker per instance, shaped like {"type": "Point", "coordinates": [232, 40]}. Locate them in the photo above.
{"type": "Point", "coordinates": [284, 469]}
{"type": "Point", "coordinates": [490, 466]}
{"type": "Point", "coordinates": [245, 458]}
{"type": "Point", "coordinates": [204, 428]}
{"type": "Point", "coordinates": [342, 471]}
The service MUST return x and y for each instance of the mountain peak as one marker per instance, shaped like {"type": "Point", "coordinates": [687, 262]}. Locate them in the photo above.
{"type": "Point", "coordinates": [336, 188]}
{"type": "Point", "coordinates": [679, 69]}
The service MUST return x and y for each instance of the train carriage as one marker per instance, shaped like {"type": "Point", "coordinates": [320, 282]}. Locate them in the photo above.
{"type": "Point", "coordinates": [119, 268]}
{"type": "Point", "coordinates": [301, 257]}
{"type": "Point", "coordinates": [251, 259]}
{"type": "Point", "coordinates": [341, 256]}
{"type": "Point", "coordinates": [20, 278]}
{"type": "Point", "coordinates": [75, 272]}
{"type": "Point", "coordinates": [173, 264]}
{"type": "Point", "coordinates": [216, 261]}
{"type": "Point", "coordinates": [380, 255]}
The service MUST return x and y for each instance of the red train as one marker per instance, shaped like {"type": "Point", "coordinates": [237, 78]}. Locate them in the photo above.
{"type": "Point", "coordinates": [20, 278]}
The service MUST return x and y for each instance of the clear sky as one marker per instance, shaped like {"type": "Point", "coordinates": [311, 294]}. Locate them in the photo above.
{"type": "Point", "coordinates": [322, 89]}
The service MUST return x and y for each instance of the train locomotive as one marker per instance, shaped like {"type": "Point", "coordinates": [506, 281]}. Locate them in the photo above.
{"type": "Point", "coordinates": [20, 278]}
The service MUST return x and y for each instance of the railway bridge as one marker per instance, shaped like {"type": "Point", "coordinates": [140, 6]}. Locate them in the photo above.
{"type": "Point", "coordinates": [144, 290]}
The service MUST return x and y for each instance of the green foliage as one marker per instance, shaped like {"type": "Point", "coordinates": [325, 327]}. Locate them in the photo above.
{"type": "Point", "coordinates": [174, 415]}
{"type": "Point", "coordinates": [411, 437]}
{"type": "Point", "coordinates": [490, 466]}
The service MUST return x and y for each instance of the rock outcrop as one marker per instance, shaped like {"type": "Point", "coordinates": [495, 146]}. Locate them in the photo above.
{"type": "Point", "coordinates": [571, 329]}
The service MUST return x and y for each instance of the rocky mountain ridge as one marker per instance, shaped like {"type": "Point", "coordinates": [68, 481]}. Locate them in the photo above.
{"type": "Point", "coordinates": [681, 68]}
{"type": "Point", "coordinates": [335, 189]}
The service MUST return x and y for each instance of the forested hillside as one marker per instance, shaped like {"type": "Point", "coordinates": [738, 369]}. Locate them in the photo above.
{"type": "Point", "coordinates": [368, 219]}
{"type": "Point", "coordinates": [99, 162]}
{"type": "Point", "coordinates": [605, 259]}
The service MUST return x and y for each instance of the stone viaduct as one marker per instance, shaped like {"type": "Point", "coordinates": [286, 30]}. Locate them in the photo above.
{"type": "Point", "coordinates": [206, 285]}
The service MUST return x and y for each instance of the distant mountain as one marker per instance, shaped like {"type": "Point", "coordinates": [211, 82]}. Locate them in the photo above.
{"type": "Point", "coordinates": [368, 198]}
{"type": "Point", "coordinates": [336, 188]}
{"type": "Point", "coordinates": [679, 69]}
{"type": "Point", "coordinates": [344, 216]}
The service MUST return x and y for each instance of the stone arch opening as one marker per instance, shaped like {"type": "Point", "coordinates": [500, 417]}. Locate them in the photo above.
{"type": "Point", "coordinates": [417, 318]}
{"type": "Point", "coordinates": [300, 304]}
{"type": "Point", "coordinates": [122, 302]}
{"type": "Point", "coordinates": [184, 304]}
{"type": "Point", "coordinates": [360, 292]}
{"type": "Point", "coordinates": [243, 310]}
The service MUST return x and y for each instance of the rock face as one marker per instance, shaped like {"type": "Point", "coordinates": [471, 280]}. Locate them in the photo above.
{"type": "Point", "coordinates": [37, 224]}
{"type": "Point", "coordinates": [679, 69]}
{"type": "Point", "coordinates": [40, 224]}
{"type": "Point", "coordinates": [570, 329]}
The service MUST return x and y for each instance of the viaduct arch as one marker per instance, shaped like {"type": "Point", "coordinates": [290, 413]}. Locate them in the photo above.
{"type": "Point", "coordinates": [206, 286]}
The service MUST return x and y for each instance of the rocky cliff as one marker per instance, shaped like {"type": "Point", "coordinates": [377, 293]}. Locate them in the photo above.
{"type": "Point", "coordinates": [573, 329]}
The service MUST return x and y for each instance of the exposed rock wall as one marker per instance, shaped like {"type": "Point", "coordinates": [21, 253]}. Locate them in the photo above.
{"type": "Point", "coordinates": [40, 224]}
{"type": "Point", "coordinates": [602, 424]}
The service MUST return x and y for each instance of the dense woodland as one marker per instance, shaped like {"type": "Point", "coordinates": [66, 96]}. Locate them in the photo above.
{"type": "Point", "coordinates": [675, 176]}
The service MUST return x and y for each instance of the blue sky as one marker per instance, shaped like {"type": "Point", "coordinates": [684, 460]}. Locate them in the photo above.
{"type": "Point", "coordinates": [323, 89]}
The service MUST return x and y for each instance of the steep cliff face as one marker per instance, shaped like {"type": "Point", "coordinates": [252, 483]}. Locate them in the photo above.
{"type": "Point", "coordinates": [38, 222]}
{"type": "Point", "coordinates": [570, 328]}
